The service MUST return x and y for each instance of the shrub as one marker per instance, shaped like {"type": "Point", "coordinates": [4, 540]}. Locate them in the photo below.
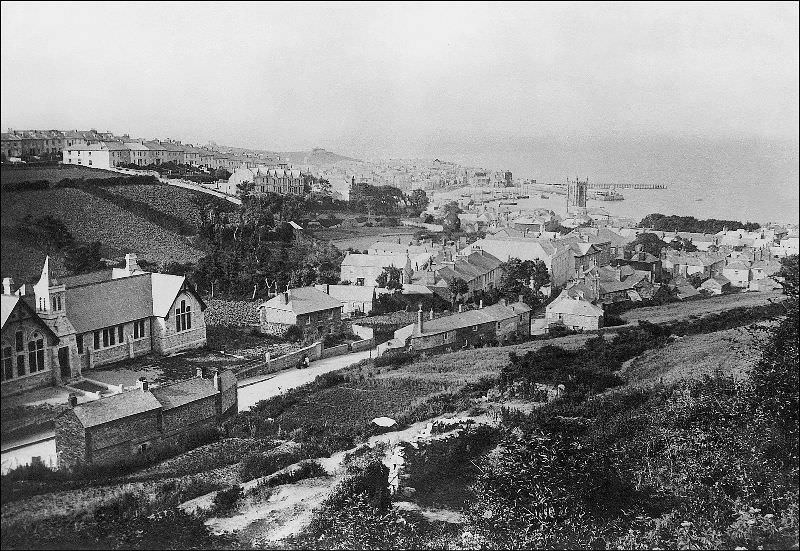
{"type": "Point", "coordinates": [258, 465]}
{"type": "Point", "coordinates": [395, 359]}
{"type": "Point", "coordinates": [225, 500]}
{"type": "Point", "coordinates": [306, 469]}
{"type": "Point", "coordinates": [293, 334]}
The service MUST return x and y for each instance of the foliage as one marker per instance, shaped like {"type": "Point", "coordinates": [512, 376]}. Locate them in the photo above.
{"type": "Point", "coordinates": [648, 242]}
{"type": "Point", "coordinates": [306, 469]}
{"type": "Point", "coordinates": [418, 202]}
{"type": "Point", "coordinates": [457, 287]}
{"type": "Point", "coordinates": [390, 278]}
{"type": "Point", "coordinates": [523, 278]}
{"type": "Point", "coordinates": [81, 259]}
{"type": "Point", "coordinates": [225, 500]}
{"type": "Point", "coordinates": [673, 223]}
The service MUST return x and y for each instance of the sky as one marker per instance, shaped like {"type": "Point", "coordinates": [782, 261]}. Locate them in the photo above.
{"type": "Point", "coordinates": [399, 79]}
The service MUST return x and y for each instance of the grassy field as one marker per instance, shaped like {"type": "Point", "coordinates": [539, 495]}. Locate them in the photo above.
{"type": "Point", "coordinates": [700, 307]}
{"type": "Point", "coordinates": [88, 218]}
{"type": "Point", "coordinates": [53, 174]}
{"type": "Point", "coordinates": [361, 238]}
{"type": "Point", "coordinates": [732, 352]}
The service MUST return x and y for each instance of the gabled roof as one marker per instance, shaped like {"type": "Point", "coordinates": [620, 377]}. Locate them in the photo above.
{"type": "Point", "coordinates": [115, 407]}
{"type": "Point", "coordinates": [348, 293]}
{"type": "Point", "coordinates": [10, 303]}
{"type": "Point", "coordinates": [737, 265]}
{"type": "Point", "coordinates": [716, 282]}
{"type": "Point", "coordinates": [460, 320]}
{"type": "Point", "coordinates": [302, 300]}
{"type": "Point", "coordinates": [184, 392]}
{"type": "Point", "coordinates": [398, 260]}
{"type": "Point", "coordinates": [565, 304]}
{"type": "Point", "coordinates": [99, 304]}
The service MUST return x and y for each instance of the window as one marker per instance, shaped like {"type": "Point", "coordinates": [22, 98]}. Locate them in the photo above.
{"type": "Point", "coordinates": [36, 353]}
{"type": "Point", "coordinates": [20, 365]}
{"type": "Point", "coordinates": [79, 342]}
{"type": "Point", "coordinates": [106, 338]}
{"type": "Point", "coordinates": [138, 329]}
{"type": "Point", "coordinates": [120, 335]}
{"type": "Point", "coordinates": [90, 161]}
{"type": "Point", "coordinates": [474, 327]}
{"type": "Point", "coordinates": [308, 320]}
{"type": "Point", "coordinates": [8, 364]}
{"type": "Point", "coordinates": [97, 340]}
{"type": "Point", "coordinates": [183, 317]}
{"type": "Point", "coordinates": [19, 341]}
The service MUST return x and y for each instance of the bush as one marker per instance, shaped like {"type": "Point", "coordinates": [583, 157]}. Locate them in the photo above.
{"type": "Point", "coordinates": [225, 500]}
{"type": "Point", "coordinates": [259, 464]}
{"type": "Point", "coordinates": [395, 359]}
{"type": "Point", "coordinates": [306, 469]}
{"type": "Point", "coordinates": [293, 334]}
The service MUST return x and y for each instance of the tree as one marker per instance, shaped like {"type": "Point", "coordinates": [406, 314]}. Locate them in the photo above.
{"type": "Point", "coordinates": [458, 287]}
{"type": "Point", "coordinates": [775, 377]}
{"type": "Point", "coordinates": [390, 278]}
{"type": "Point", "coordinates": [524, 278]}
{"type": "Point", "coordinates": [649, 243]}
{"type": "Point", "coordinates": [418, 201]}
{"type": "Point", "coordinates": [81, 259]}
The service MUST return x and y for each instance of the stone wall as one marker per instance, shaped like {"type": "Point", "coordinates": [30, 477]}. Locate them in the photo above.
{"type": "Point", "coordinates": [337, 350]}
{"type": "Point", "coordinates": [70, 440]}
{"type": "Point", "coordinates": [136, 428]}
{"type": "Point", "coordinates": [313, 352]}
{"type": "Point", "coordinates": [365, 344]}
{"type": "Point", "coordinates": [179, 418]}
{"type": "Point", "coordinates": [28, 382]}
{"type": "Point", "coordinates": [229, 401]}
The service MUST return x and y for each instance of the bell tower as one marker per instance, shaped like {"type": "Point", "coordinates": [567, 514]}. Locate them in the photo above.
{"type": "Point", "coordinates": [50, 294]}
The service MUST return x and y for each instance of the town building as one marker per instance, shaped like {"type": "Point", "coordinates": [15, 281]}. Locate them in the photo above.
{"type": "Point", "coordinates": [642, 262]}
{"type": "Point", "coordinates": [364, 269]}
{"type": "Point", "coordinates": [737, 272]}
{"type": "Point", "coordinates": [557, 258]}
{"type": "Point", "coordinates": [356, 299]}
{"type": "Point", "coordinates": [716, 285]}
{"type": "Point", "coordinates": [687, 264]}
{"type": "Point", "coordinates": [111, 315]}
{"type": "Point", "coordinates": [574, 312]}
{"type": "Point", "coordinates": [30, 348]}
{"type": "Point", "coordinates": [471, 328]}
{"type": "Point", "coordinates": [314, 312]}
{"type": "Point", "coordinates": [10, 145]}
{"type": "Point", "coordinates": [480, 270]}
{"type": "Point", "coordinates": [282, 180]}
{"type": "Point", "coordinates": [123, 426]}
{"type": "Point", "coordinates": [105, 155]}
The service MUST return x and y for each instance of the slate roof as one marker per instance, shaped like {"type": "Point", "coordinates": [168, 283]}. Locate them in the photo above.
{"type": "Point", "coordinates": [115, 407]}
{"type": "Point", "coordinates": [382, 260]}
{"type": "Point", "coordinates": [348, 293]}
{"type": "Point", "coordinates": [737, 265]}
{"type": "Point", "coordinates": [10, 302]}
{"type": "Point", "coordinates": [460, 320]}
{"type": "Point", "coordinates": [504, 248]}
{"type": "Point", "coordinates": [99, 304]}
{"type": "Point", "coordinates": [565, 304]}
{"type": "Point", "coordinates": [184, 392]}
{"type": "Point", "coordinates": [303, 300]}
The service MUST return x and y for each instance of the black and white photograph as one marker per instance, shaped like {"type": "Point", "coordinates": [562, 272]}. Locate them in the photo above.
{"type": "Point", "coordinates": [399, 275]}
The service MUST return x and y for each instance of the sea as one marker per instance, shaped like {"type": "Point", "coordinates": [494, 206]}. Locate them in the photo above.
{"type": "Point", "coordinates": [747, 179]}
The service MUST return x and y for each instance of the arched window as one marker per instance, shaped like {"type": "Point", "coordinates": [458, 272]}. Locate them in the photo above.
{"type": "Point", "coordinates": [183, 317]}
{"type": "Point", "coordinates": [36, 353]}
{"type": "Point", "coordinates": [19, 345]}
{"type": "Point", "coordinates": [7, 371]}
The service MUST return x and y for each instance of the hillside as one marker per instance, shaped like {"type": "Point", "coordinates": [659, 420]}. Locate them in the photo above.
{"type": "Point", "coordinates": [316, 157]}
{"type": "Point", "coordinates": [92, 218]}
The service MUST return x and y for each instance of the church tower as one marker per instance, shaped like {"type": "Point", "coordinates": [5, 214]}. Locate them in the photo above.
{"type": "Point", "coordinates": [577, 191]}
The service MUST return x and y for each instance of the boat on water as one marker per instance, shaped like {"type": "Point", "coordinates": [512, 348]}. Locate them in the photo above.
{"type": "Point", "coordinates": [508, 202]}
{"type": "Point", "coordinates": [543, 196]}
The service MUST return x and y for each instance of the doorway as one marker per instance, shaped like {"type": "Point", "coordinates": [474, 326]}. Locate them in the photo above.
{"type": "Point", "coordinates": [63, 360]}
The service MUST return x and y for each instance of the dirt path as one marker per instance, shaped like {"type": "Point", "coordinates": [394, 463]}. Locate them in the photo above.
{"type": "Point", "coordinates": [288, 509]}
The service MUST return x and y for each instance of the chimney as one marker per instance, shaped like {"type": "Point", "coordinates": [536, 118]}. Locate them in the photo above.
{"type": "Point", "coordinates": [130, 263]}
{"type": "Point", "coordinates": [217, 382]}
{"type": "Point", "coordinates": [73, 400]}
{"type": "Point", "coordinates": [520, 298]}
{"type": "Point", "coordinates": [327, 288]}
{"type": "Point", "coordinates": [480, 304]}
{"type": "Point", "coordinates": [419, 319]}
{"type": "Point", "coordinates": [8, 283]}
{"type": "Point", "coordinates": [285, 299]}
{"type": "Point", "coordinates": [142, 384]}
{"type": "Point", "coordinates": [503, 302]}
{"type": "Point", "coordinates": [199, 372]}
{"type": "Point", "coordinates": [460, 308]}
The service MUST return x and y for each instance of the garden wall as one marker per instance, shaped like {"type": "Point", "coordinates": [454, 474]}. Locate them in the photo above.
{"type": "Point", "coordinates": [337, 350]}
{"type": "Point", "coordinates": [283, 362]}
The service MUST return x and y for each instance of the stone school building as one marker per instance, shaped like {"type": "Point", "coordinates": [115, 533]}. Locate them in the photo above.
{"type": "Point", "coordinates": [131, 423]}
{"type": "Point", "coordinates": [55, 329]}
